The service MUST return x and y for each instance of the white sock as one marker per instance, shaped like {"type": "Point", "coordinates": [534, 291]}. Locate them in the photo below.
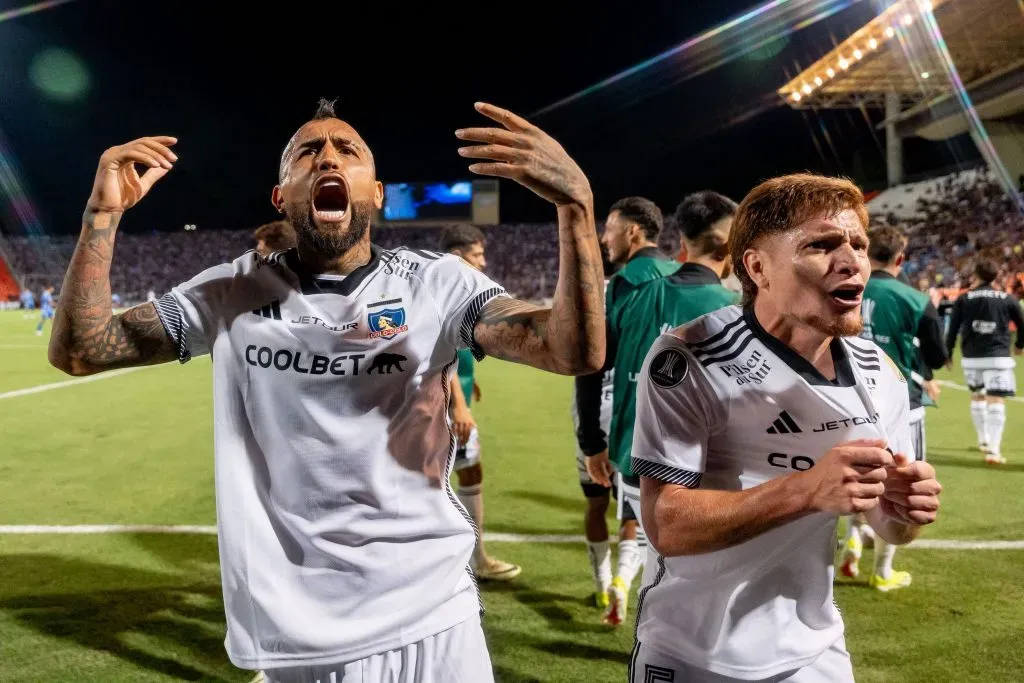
{"type": "Point", "coordinates": [630, 561]}
{"type": "Point", "coordinates": [472, 499]}
{"type": "Point", "coordinates": [852, 530]}
{"type": "Point", "coordinates": [978, 415]}
{"type": "Point", "coordinates": [884, 552]}
{"type": "Point", "coordinates": [600, 555]}
{"type": "Point", "coordinates": [995, 420]}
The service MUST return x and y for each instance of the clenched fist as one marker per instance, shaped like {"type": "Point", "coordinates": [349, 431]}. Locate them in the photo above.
{"type": "Point", "coordinates": [911, 492]}
{"type": "Point", "coordinates": [850, 478]}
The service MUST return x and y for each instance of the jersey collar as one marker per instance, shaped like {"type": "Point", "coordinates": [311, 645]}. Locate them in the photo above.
{"type": "Point", "coordinates": [695, 274]}
{"type": "Point", "coordinates": [800, 365]}
{"type": "Point", "coordinates": [309, 284]}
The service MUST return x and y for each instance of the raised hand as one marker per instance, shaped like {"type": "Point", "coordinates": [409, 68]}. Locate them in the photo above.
{"type": "Point", "coordinates": [911, 492]}
{"type": "Point", "coordinates": [524, 153]}
{"type": "Point", "coordinates": [118, 186]}
{"type": "Point", "coordinates": [850, 478]}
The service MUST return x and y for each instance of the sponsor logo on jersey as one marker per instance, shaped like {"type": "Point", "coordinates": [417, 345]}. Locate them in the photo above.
{"type": "Point", "coordinates": [799, 463]}
{"type": "Point", "coordinates": [303, 362]}
{"type": "Point", "coordinates": [983, 326]}
{"type": "Point", "coordinates": [387, 323]}
{"type": "Point", "coordinates": [401, 267]}
{"type": "Point", "coordinates": [669, 368]}
{"type": "Point", "coordinates": [271, 310]}
{"type": "Point", "coordinates": [313, 320]}
{"type": "Point", "coordinates": [752, 370]}
{"type": "Point", "coordinates": [784, 424]}
{"type": "Point", "coordinates": [384, 363]}
{"type": "Point", "coordinates": [845, 422]}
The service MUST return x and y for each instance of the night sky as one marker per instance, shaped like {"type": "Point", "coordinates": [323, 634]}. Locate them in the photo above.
{"type": "Point", "coordinates": [233, 87]}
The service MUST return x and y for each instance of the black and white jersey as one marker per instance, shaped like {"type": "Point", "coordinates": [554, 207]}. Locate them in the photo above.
{"type": "Point", "coordinates": [982, 318]}
{"type": "Point", "coordinates": [722, 404]}
{"type": "Point", "coordinates": [340, 537]}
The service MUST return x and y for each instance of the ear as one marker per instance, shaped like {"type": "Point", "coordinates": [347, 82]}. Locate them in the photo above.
{"type": "Point", "coordinates": [756, 266]}
{"type": "Point", "coordinates": [378, 195]}
{"type": "Point", "coordinates": [277, 199]}
{"type": "Point", "coordinates": [900, 259]}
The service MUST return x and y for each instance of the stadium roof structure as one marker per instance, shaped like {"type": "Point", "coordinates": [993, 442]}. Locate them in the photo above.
{"type": "Point", "coordinates": [900, 52]}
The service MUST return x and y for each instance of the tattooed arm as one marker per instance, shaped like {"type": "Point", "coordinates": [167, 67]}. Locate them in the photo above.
{"type": "Point", "coordinates": [87, 338]}
{"type": "Point", "coordinates": [569, 337]}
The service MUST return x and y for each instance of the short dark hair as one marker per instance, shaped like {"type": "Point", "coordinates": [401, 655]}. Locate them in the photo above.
{"type": "Point", "coordinates": [642, 212]}
{"type": "Point", "coordinates": [697, 213]}
{"type": "Point", "coordinates": [461, 235]}
{"type": "Point", "coordinates": [885, 244]}
{"type": "Point", "coordinates": [986, 269]}
{"type": "Point", "coordinates": [278, 236]}
{"type": "Point", "coordinates": [325, 109]}
{"type": "Point", "coordinates": [782, 203]}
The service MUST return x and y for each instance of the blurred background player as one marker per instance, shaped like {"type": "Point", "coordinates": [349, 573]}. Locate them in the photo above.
{"type": "Point", "coordinates": [468, 242]}
{"type": "Point", "coordinates": [28, 300]}
{"type": "Point", "coordinates": [982, 317]}
{"type": "Point", "coordinates": [595, 522]}
{"type": "Point", "coordinates": [45, 308]}
{"type": "Point", "coordinates": [904, 322]}
{"type": "Point", "coordinates": [648, 295]}
{"type": "Point", "coordinates": [274, 237]}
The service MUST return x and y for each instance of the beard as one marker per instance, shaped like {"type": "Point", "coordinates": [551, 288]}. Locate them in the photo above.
{"type": "Point", "coordinates": [329, 244]}
{"type": "Point", "coordinates": [845, 325]}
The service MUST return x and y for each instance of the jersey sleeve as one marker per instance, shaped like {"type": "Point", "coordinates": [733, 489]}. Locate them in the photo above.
{"type": "Point", "coordinates": [460, 293]}
{"type": "Point", "coordinates": [897, 410]}
{"type": "Point", "coordinates": [676, 413]}
{"type": "Point", "coordinates": [190, 312]}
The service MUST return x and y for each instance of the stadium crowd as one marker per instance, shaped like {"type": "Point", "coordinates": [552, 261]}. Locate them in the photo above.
{"type": "Point", "coordinates": [956, 218]}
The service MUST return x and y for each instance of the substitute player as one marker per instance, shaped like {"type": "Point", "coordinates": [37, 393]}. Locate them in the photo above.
{"type": "Point", "coordinates": [344, 552]}
{"type": "Point", "coordinates": [905, 324]}
{"type": "Point", "coordinates": [468, 243]}
{"type": "Point", "coordinates": [46, 309]}
{"type": "Point", "coordinates": [648, 295]}
{"type": "Point", "coordinates": [758, 426]}
{"type": "Point", "coordinates": [982, 317]}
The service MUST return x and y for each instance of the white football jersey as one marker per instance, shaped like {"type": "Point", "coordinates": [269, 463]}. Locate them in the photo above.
{"type": "Point", "coordinates": [607, 391]}
{"type": "Point", "coordinates": [723, 405]}
{"type": "Point", "coordinates": [340, 536]}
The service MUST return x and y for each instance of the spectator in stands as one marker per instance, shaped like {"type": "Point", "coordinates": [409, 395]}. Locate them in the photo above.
{"type": "Point", "coordinates": [276, 236]}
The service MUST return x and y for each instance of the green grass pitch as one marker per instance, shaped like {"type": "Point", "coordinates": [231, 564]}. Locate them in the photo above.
{"type": "Point", "coordinates": [136, 449]}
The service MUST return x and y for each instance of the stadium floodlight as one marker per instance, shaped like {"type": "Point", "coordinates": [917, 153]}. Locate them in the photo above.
{"type": "Point", "coordinates": [925, 74]}
{"type": "Point", "coordinates": [890, 32]}
{"type": "Point", "coordinates": [807, 89]}
{"type": "Point", "coordinates": [843, 63]}
{"type": "Point", "coordinates": [907, 20]}
{"type": "Point", "coordinates": [857, 54]}
{"type": "Point", "coordinates": [830, 71]}
{"type": "Point", "coordinates": [873, 43]}
{"type": "Point", "coordinates": [818, 81]}
{"type": "Point", "coordinates": [796, 97]}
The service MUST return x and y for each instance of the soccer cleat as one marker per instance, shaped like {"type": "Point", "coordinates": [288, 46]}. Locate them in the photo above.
{"type": "Point", "coordinates": [896, 580]}
{"type": "Point", "coordinates": [851, 557]}
{"type": "Point", "coordinates": [601, 599]}
{"type": "Point", "coordinates": [615, 615]}
{"type": "Point", "coordinates": [995, 459]}
{"type": "Point", "coordinates": [497, 570]}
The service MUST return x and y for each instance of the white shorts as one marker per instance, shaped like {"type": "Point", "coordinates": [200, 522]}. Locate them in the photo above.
{"type": "Point", "coordinates": [917, 433]}
{"type": "Point", "coordinates": [647, 666]}
{"type": "Point", "coordinates": [458, 655]}
{"type": "Point", "coordinates": [991, 382]}
{"type": "Point", "coordinates": [469, 454]}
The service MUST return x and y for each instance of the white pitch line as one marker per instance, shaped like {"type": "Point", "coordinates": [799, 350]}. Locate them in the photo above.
{"type": "Point", "coordinates": [71, 382]}
{"type": "Point", "coordinates": [960, 387]}
{"type": "Point", "coordinates": [490, 537]}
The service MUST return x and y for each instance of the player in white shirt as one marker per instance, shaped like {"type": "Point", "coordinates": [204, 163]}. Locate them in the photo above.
{"type": "Point", "coordinates": [344, 552]}
{"type": "Point", "coordinates": [756, 428]}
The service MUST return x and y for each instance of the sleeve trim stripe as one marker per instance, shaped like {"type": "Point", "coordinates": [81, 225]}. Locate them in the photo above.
{"type": "Point", "coordinates": [169, 312]}
{"type": "Point", "coordinates": [666, 473]}
{"type": "Point", "coordinates": [472, 315]}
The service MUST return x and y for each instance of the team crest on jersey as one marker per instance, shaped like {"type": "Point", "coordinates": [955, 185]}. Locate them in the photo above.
{"type": "Point", "coordinates": [387, 323]}
{"type": "Point", "coordinates": [669, 368]}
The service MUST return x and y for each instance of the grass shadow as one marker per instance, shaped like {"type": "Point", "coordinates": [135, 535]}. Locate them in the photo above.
{"type": "Point", "coordinates": [566, 503]}
{"type": "Point", "coordinates": [132, 624]}
{"type": "Point", "coordinates": [940, 457]}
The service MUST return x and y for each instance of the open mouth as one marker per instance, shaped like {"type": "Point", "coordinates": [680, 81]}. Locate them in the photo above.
{"type": "Point", "coordinates": [847, 296]}
{"type": "Point", "coordinates": [330, 199]}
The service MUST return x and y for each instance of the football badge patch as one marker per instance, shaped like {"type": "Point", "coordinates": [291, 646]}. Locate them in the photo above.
{"type": "Point", "coordinates": [668, 368]}
{"type": "Point", "coordinates": [387, 323]}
